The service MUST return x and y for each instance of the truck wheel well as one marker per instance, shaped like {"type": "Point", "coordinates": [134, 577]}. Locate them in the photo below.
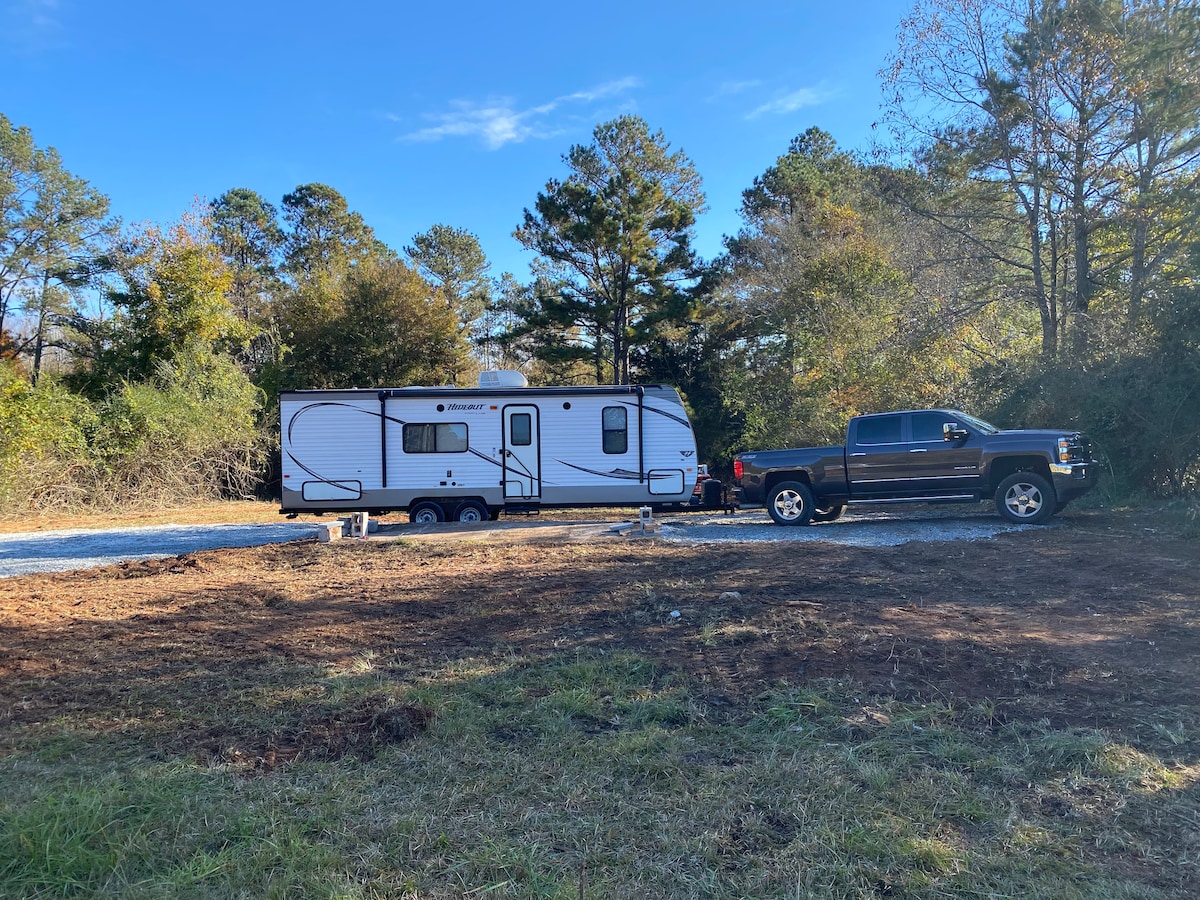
{"type": "Point", "coordinates": [775, 478]}
{"type": "Point", "coordinates": [1002, 468]}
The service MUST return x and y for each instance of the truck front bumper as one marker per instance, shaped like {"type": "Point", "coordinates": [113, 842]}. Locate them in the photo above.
{"type": "Point", "coordinates": [1073, 480]}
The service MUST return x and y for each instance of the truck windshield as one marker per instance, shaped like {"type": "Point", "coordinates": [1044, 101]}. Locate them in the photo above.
{"type": "Point", "coordinates": [977, 424]}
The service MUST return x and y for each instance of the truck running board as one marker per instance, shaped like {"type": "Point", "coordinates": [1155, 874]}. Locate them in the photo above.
{"type": "Point", "coordinates": [941, 498]}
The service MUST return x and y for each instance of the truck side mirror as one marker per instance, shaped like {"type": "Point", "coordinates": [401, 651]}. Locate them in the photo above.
{"type": "Point", "coordinates": [951, 432]}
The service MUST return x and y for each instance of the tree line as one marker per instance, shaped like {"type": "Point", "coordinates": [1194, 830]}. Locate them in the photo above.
{"type": "Point", "coordinates": [1021, 243]}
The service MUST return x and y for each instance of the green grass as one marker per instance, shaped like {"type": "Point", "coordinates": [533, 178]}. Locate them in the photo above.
{"type": "Point", "coordinates": [588, 776]}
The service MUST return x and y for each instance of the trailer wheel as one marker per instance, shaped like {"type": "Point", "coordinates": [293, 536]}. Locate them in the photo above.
{"type": "Point", "coordinates": [426, 513]}
{"type": "Point", "coordinates": [471, 511]}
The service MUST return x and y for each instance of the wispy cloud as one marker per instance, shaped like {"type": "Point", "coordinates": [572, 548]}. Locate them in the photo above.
{"type": "Point", "coordinates": [732, 88]}
{"type": "Point", "coordinates": [793, 102]}
{"type": "Point", "coordinates": [31, 25]}
{"type": "Point", "coordinates": [601, 91]}
{"type": "Point", "coordinates": [499, 121]}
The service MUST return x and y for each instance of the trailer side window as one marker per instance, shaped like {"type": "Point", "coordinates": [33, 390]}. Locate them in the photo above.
{"type": "Point", "coordinates": [442, 437]}
{"type": "Point", "coordinates": [520, 427]}
{"type": "Point", "coordinates": [615, 425]}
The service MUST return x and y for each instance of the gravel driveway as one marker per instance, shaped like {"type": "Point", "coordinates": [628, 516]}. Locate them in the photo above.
{"type": "Point", "coordinates": [859, 529]}
{"type": "Point", "coordinates": [57, 551]}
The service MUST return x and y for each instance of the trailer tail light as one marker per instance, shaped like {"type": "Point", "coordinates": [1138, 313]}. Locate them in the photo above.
{"type": "Point", "coordinates": [737, 469]}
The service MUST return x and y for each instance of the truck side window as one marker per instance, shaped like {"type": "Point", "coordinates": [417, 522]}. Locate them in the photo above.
{"type": "Point", "coordinates": [928, 426]}
{"type": "Point", "coordinates": [615, 424]}
{"type": "Point", "coordinates": [520, 430]}
{"type": "Point", "coordinates": [435, 438]}
{"type": "Point", "coordinates": [879, 430]}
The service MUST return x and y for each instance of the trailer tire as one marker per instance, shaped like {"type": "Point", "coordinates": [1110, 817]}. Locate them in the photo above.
{"type": "Point", "coordinates": [471, 511]}
{"type": "Point", "coordinates": [426, 513]}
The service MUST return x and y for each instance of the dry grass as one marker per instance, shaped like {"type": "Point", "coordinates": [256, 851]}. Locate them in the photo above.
{"type": "Point", "coordinates": [240, 511]}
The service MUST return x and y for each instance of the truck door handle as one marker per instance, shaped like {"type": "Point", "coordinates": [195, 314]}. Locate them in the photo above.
{"type": "Point", "coordinates": [919, 450]}
{"type": "Point", "coordinates": [858, 454]}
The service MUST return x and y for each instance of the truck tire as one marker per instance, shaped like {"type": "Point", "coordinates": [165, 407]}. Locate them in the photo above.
{"type": "Point", "coordinates": [790, 503]}
{"type": "Point", "coordinates": [1025, 498]}
{"type": "Point", "coordinates": [471, 511]}
{"type": "Point", "coordinates": [426, 513]}
{"type": "Point", "coordinates": [828, 513]}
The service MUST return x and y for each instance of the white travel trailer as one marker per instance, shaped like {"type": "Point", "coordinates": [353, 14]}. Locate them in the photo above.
{"type": "Point", "coordinates": [467, 454]}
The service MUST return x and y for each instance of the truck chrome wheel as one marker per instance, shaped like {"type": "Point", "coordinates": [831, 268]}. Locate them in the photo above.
{"type": "Point", "coordinates": [1025, 497]}
{"type": "Point", "coordinates": [1023, 500]}
{"type": "Point", "coordinates": [791, 503]}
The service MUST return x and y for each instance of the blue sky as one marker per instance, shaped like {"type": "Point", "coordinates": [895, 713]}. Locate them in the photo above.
{"type": "Point", "coordinates": [426, 113]}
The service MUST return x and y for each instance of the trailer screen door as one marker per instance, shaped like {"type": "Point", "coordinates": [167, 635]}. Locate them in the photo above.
{"type": "Point", "coordinates": [522, 454]}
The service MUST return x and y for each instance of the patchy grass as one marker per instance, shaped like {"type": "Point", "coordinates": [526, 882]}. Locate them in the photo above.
{"type": "Point", "coordinates": [1008, 718]}
{"type": "Point", "coordinates": [584, 775]}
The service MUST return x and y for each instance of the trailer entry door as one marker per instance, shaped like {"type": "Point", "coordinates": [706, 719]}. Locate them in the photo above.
{"type": "Point", "coordinates": [522, 453]}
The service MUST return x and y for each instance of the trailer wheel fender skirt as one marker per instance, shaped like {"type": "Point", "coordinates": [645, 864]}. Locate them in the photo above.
{"type": "Point", "coordinates": [426, 513]}
{"type": "Point", "coordinates": [471, 511]}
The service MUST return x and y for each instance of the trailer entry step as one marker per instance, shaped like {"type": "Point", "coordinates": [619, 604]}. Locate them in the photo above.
{"type": "Point", "coordinates": [522, 509]}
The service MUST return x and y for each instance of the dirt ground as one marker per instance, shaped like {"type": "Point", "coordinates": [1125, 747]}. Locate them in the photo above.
{"type": "Point", "coordinates": [1095, 623]}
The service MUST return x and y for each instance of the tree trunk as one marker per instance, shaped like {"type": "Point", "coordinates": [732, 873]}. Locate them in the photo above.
{"type": "Point", "coordinates": [1138, 270]}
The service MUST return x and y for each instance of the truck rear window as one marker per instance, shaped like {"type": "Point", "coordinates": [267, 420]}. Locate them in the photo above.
{"type": "Point", "coordinates": [882, 430]}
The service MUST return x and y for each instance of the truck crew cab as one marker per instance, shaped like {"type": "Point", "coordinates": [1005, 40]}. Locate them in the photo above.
{"type": "Point", "coordinates": [921, 456]}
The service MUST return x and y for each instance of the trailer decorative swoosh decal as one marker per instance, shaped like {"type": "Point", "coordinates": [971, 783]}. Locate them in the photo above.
{"type": "Point", "coordinates": [682, 420]}
{"type": "Point", "coordinates": [358, 409]}
{"type": "Point", "coordinates": [366, 412]}
{"type": "Point", "coordinates": [618, 474]}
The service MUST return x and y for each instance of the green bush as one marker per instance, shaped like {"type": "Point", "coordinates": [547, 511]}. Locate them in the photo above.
{"type": "Point", "coordinates": [191, 433]}
{"type": "Point", "coordinates": [1142, 412]}
{"type": "Point", "coordinates": [43, 441]}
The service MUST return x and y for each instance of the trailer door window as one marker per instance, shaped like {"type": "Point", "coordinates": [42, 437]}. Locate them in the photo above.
{"type": "Point", "coordinates": [442, 437]}
{"type": "Point", "coordinates": [615, 424]}
{"type": "Point", "coordinates": [520, 429]}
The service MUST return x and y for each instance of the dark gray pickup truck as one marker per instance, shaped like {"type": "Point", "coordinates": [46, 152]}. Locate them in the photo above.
{"type": "Point", "coordinates": [921, 456]}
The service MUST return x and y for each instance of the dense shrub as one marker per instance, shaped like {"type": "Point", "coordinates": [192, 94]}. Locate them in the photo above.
{"type": "Point", "coordinates": [1142, 411]}
{"type": "Point", "coordinates": [190, 433]}
{"type": "Point", "coordinates": [43, 439]}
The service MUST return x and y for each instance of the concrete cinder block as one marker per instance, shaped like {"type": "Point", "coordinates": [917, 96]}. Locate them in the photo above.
{"type": "Point", "coordinates": [329, 531]}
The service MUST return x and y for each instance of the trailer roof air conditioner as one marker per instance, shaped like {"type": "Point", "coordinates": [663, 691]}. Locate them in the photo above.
{"type": "Point", "coordinates": [502, 378]}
